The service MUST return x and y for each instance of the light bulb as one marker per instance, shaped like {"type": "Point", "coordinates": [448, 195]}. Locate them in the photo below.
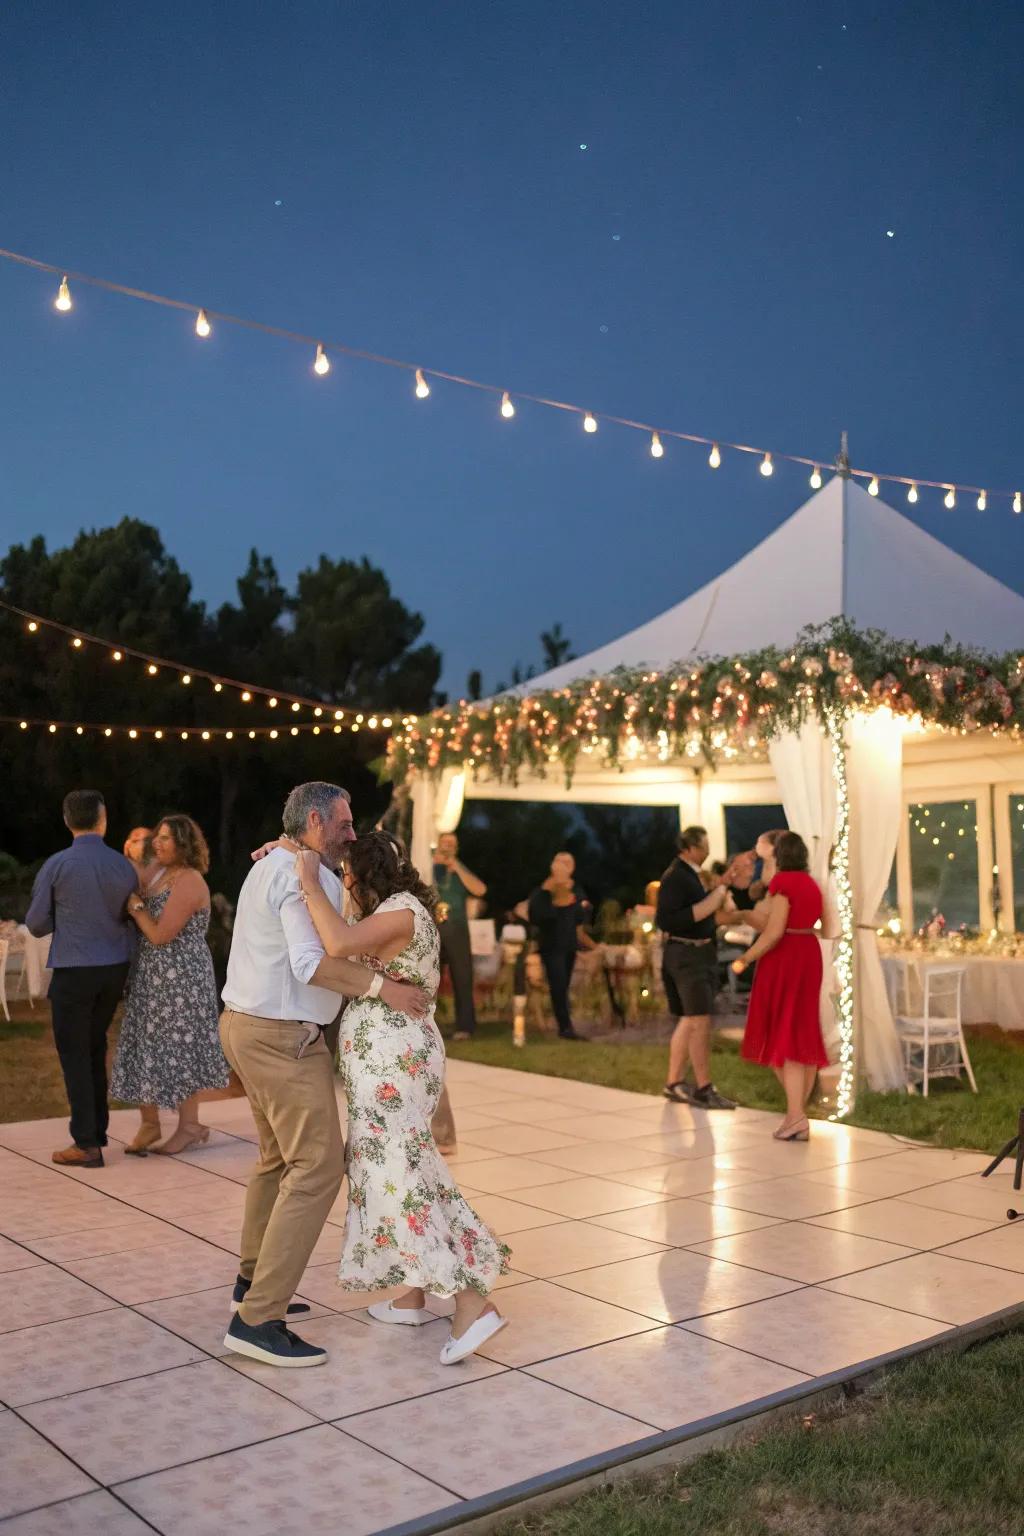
{"type": "Point", "coordinates": [272, 702]}
{"type": "Point", "coordinates": [24, 725]}
{"type": "Point", "coordinates": [246, 697]}
{"type": "Point", "coordinates": [873, 486]}
{"type": "Point", "coordinates": [151, 669]}
{"type": "Point", "coordinates": [295, 730]}
{"type": "Point", "coordinates": [133, 734]}
{"type": "Point", "coordinates": [422, 387]}
{"type": "Point", "coordinates": [118, 655]}
{"type": "Point", "coordinates": [252, 735]}
{"type": "Point", "coordinates": [206, 735]}
{"type": "Point", "coordinates": [657, 451]}
{"type": "Point", "coordinates": [186, 678]}
{"type": "Point", "coordinates": [767, 467]}
{"type": "Point", "coordinates": [229, 735]}
{"type": "Point", "coordinates": [982, 501]}
{"type": "Point", "coordinates": [386, 723]}
{"type": "Point", "coordinates": [218, 687]}
{"type": "Point", "coordinates": [53, 730]}
{"type": "Point", "coordinates": [714, 457]}
{"type": "Point", "coordinates": [77, 643]}
{"type": "Point", "coordinates": [273, 735]}
{"type": "Point", "coordinates": [339, 714]}
{"type": "Point", "coordinates": [1016, 501]}
{"type": "Point", "coordinates": [203, 326]}
{"type": "Point", "coordinates": [322, 364]}
{"type": "Point", "coordinates": [63, 299]}
{"type": "Point", "coordinates": [912, 494]}
{"type": "Point", "coordinates": [590, 422]}
{"type": "Point", "coordinates": [108, 731]}
{"type": "Point", "coordinates": [32, 626]}
{"type": "Point", "coordinates": [816, 479]}
{"type": "Point", "coordinates": [296, 706]}
{"type": "Point", "coordinates": [158, 735]}
{"type": "Point", "coordinates": [184, 735]}
{"type": "Point", "coordinates": [318, 711]}
{"type": "Point", "coordinates": [949, 500]}
{"type": "Point", "coordinates": [508, 410]}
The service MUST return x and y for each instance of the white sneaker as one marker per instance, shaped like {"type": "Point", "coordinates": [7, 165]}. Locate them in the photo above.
{"type": "Point", "coordinates": [409, 1317]}
{"type": "Point", "coordinates": [476, 1335]}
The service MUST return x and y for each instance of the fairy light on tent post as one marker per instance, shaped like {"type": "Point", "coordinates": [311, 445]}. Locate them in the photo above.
{"type": "Point", "coordinates": [422, 387]}
{"type": "Point", "coordinates": [322, 363]}
{"type": "Point", "coordinates": [203, 326]}
{"type": "Point", "coordinates": [873, 486]}
{"type": "Point", "coordinates": [63, 300]}
{"type": "Point", "coordinates": [815, 479]}
{"type": "Point", "coordinates": [845, 1090]}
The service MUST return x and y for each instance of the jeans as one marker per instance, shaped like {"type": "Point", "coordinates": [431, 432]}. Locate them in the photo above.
{"type": "Point", "coordinates": [456, 954]}
{"type": "Point", "coordinates": [558, 968]}
{"type": "Point", "coordinates": [83, 999]}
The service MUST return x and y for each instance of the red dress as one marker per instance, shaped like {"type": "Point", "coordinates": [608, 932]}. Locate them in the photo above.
{"type": "Point", "coordinates": [783, 1022]}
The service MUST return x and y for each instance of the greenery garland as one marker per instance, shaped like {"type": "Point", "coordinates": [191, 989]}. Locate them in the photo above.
{"type": "Point", "coordinates": [714, 706]}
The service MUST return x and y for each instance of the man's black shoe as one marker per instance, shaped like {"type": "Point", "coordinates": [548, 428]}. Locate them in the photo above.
{"type": "Point", "coordinates": [272, 1343]}
{"type": "Point", "coordinates": [570, 1034]}
{"type": "Point", "coordinates": [242, 1287]}
{"type": "Point", "coordinates": [709, 1097]}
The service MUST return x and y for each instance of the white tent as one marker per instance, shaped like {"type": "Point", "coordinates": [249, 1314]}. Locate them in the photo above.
{"type": "Point", "coordinates": [843, 553]}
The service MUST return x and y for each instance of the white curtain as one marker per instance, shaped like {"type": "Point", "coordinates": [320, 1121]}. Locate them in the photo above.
{"type": "Point", "coordinates": [802, 763]}
{"type": "Point", "coordinates": [874, 772]}
{"type": "Point", "coordinates": [436, 807]}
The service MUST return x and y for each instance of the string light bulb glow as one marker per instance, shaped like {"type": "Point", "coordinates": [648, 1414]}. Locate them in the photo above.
{"type": "Point", "coordinates": [203, 326]}
{"type": "Point", "coordinates": [590, 422]}
{"type": "Point", "coordinates": [912, 494]}
{"type": "Point", "coordinates": [508, 410]}
{"type": "Point", "coordinates": [117, 656]}
{"type": "Point", "coordinates": [1016, 501]}
{"type": "Point", "coordinates": [422, 387]}
{"type": "Point", "coordinates": [714, 457]}
{"type": "Point", "coordinates": [982, 501]}
{"type": "Point", "coordinates": [767, 467]}
{"type": "Point", "coordinates": [152, 670]}
{"type": "Point", "coordinates": [186, 678]}
{"type": "Point", "coordinates": [873, 486]}
{"type": "Point", "coordinates": [32, 626]}
{"type": "Point", "coordinates": [246, 697]}
{"type": "Point", "coordinates": [657, 450]}
{"type": "Point", "coordinates": [63, 299]}
{"type": "Point", "coordinates": [834, 722]}
{"type": "Point", "coordinates": [949, 500]}
{"type": "Point", "coordinates": [815, 479]}
{"type": "Point", "coordinates": [76, 642]}
{"type": "Point", "coordinates": [322, 363]}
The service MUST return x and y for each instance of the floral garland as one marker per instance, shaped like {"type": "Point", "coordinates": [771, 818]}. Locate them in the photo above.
{"type": "Point", "coordinates": [715, 706]}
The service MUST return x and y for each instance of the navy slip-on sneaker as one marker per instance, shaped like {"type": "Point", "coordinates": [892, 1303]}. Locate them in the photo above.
{"type": "Point", "coordinates": [242, 1288]}
{"type": "Point", "coordinates": [272, 1343]}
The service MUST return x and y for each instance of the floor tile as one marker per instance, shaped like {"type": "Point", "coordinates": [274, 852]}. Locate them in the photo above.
{"type": "Point", "coordinates": [217, 1195]}
{"type": "Point", "coordinates": [616, 1157]}
{"type": "Point", "coordinates": [53, 1359]}
{"type": "Point", "coordinates": [135, 1427]}
{"type": "Point", "coordinates": [505, 1216]}
{"type": "Point", "coordinates": [799, 1252]}
{"type": "Point", "coordinates": [501, 1175]}
{"type": "Point", "coordinates": [582, 1198]}
{"type": "Point", "coordinates": [699, 1142]}
{"type": "Point", "coordinates": [369, 1365]}
{"type": "Point", "coordinates": [896, 1221]}
{"type": "Point", "coordinates": [319, 1480]}
{"type": "Point", "coordinates": [50, 1216]}
{"type": "Point", "coordinates": [605, 1128]}
{"type": "Point", "coordinates": [91, 1514]}
{"type": "Point", "coordinates": [166, 1269]}
{"type": "Point", "coordinates": [807, 1332]}
{"type": "Point", "coordinates": [789, 1198]}
{"type": "Point", "coordinates": [874, 1176]}
{"type": "Point", "coordinates": [701, 1176]}
{"type": "Point", "coordinates": [964, 1197]}
{"type": "Point", "coordinates": [683, 1222]}
{"type": "Point", "coordinates": [468, 1120]}
{"type": "Point", "coordinates": [46, 1295]}
{"type": "Point", "coordinates": [525, 1112]}
{"type": "Point", "coordinates": [13, 1256]}
{"type": "Point", "coordinates": [493, 1433]}
{"type": "Point", "coordinates": [935, 1285]}
{"type": "Point", "coordinates": [516, 1139]}
{"type": "Point", "coordinates": [138, 1231]}
{"type": "Point", "coordinates": [547, 1320]}
{"type": "Point", "coordinates": [573, 1245]}
{"type": "Point", "coordinates": [951, 1165]}
{"type": "Point", "coordinates": [675, 1284]}
{"type": "Point", "coordinates": [1003, 1247]}
{"type": "Point", "coordinates": [32, 1472]}
{"type": "Point", "coordinates": [668, 1377]}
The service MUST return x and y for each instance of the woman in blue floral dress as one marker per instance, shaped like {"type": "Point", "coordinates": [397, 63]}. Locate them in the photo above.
{"type": "Point", "coordinates": [408, 1224]}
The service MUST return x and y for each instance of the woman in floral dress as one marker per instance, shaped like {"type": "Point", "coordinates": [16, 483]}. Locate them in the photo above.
{"type": "Point", "coordinates": [407, 1223]}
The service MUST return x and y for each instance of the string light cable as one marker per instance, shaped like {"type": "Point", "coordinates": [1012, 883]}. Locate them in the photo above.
{"type": "Point", "coordinates": [240, 733]}
{"type": "Point", "coordinates": [204, 317]}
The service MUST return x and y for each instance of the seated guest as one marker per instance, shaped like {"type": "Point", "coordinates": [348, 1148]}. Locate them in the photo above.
{"type": "Point", "coordinates": [79, 896]}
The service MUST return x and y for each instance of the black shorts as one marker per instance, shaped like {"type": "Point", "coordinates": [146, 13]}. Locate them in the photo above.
{"type": "Point", "coordinates": [690, 976]}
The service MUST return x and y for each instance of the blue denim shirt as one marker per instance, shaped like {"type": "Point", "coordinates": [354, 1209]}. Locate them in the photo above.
{"type": "Point", "coordinates": [79, 896]}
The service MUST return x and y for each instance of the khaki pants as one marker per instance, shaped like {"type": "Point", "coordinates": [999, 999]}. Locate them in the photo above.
{"type": "Point", "coordinates": [302, 1154]}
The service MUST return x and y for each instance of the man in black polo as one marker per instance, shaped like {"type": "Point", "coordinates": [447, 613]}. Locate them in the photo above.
{"type": "Point", "coordinates": [688, 917]}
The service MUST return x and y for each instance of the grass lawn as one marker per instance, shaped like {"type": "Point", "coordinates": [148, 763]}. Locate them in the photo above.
{"type": "Point", "coordinates": [933, 1450]}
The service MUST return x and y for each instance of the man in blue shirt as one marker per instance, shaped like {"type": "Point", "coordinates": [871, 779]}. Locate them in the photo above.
{"type": "Point", "coordinates": [79, 897]}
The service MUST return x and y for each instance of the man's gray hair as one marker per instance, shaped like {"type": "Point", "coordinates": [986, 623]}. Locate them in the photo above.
{"type": "Point", "coordinates": [304, 798]}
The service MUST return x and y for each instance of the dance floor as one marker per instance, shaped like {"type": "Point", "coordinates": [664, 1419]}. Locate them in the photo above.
{"type": "Point", "coordinates": [668, 1266]}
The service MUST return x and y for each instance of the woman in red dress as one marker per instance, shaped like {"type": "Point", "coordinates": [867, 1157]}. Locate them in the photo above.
{"type": "Point", "coordinates": [783, 1023]}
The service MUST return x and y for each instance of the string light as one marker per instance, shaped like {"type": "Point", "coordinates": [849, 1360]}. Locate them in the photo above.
{"type": "Point", "coordinates": [767, 467]}
{"type": "Point", "coordinates": [116, 656]}
{"type": "Point", "coordinates": [422, 387]}
{"type": "Point", "coordinates": [1016, 501]}
{"type": "Point", "coordinates": [152, 669]}
{"type": "Point", "coordinates": [218, 687]}
{"type": "Point", "coordinates": [203, 326]}
{"type": "Point", "coordinates": [186, 678]}
{"type": "Point", "coordinates": [508, 410]}
{"type": "Point", "coordinates": [63, 299]}
{"type": "Point", "coordinates": [714, 457]}
{"type": "Point", "coordinates": [246, 697]}
{"type": "Point", "coordinates": [816, 479]}
{"type": "Point", "coordinates": [32, 627]}
{"type": "Point", "coordinates": [590, 422]}
{"type": "Point", "coordinates": [322, 363]}
{"type": "Point", "coordinates": [873, 486]}
{"type": "Point", "coordinates": [77, 643]}
{"type": "Point", "coordinates": [912, 494]}
{"type": "Point", "coordinates": [53, 730]}
{"type": "Point", "coordinates": [833, 719]}
{"type": "Point", "coordinates": [657, 451]}
{"type": "Point", "coordinates": [949, 500]}
{"type": "Point", "coordinates": [982, 501]}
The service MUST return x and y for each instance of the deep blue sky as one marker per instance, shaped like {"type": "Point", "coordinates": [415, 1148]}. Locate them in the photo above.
{"type": "Point", "coordinates": [435, 204]}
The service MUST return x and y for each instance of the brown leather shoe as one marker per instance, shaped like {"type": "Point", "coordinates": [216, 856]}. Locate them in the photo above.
{"type": "Point", "coordinates": [79, 1157]}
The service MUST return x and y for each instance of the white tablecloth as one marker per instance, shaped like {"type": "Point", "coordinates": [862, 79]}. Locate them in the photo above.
{"type": "Point", "coordinates": [34, 954]}
{"type": "Point", "coordinates": [993, 988]}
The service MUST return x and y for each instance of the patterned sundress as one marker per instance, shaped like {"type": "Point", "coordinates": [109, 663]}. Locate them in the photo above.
{"type": "Point", "coordinates": [407, 1223]}
{"type": "Point", "coordinates": [169, 1046]}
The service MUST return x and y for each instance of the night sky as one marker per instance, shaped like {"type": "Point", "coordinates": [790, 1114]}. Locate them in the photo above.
{"type": "Point", "coordinates": [412, 179]}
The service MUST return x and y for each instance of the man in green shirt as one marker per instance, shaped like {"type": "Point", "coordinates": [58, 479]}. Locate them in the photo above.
{"type": "Point", "coordinates": [454, 884]}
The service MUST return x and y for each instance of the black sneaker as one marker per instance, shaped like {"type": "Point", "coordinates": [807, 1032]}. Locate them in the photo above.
{"type": "Point", "coordinates": [242, 1287]}
{"type": "Point", "coordinates": [272, 1343]}
{"type": "Point", "coordinates": [709, 1097]}
{"type": "Point", "coordinates": [571, 1034]}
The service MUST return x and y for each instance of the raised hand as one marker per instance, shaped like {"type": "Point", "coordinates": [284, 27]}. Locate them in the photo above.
{"type": "Point", "coordinates": [307, 867]}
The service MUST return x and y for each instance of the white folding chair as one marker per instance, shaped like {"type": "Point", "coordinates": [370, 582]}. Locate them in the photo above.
{"type": "Point", "coordinates": [939, 1029]}
{"type": "Point", "coordinates": [5, 945]}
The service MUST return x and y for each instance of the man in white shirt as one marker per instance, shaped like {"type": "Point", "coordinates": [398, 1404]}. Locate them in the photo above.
{"type": "Point", "coordinates": [281, 992]}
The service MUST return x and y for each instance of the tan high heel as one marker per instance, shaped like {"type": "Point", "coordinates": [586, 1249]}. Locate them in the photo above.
{"type": "Point", "coordinates": [148, 1132]}
{"type": "Point", "coordinates": [192, 1136]}
{"type": "Point", "coordinates": [801, 1131]}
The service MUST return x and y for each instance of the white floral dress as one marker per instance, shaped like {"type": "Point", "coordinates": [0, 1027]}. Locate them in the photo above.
{"type": "Point", "coordinates": [408, 1223]}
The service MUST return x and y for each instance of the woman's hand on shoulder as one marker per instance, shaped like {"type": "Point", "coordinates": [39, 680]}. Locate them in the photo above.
{"type": "Point", "coordinates": [307, 867]}
{"type": "Point", "coordinates": [278, 842]}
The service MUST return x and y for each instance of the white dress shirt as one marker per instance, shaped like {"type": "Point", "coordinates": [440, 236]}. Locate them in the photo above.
{"type": "Point", "coordinates": [275, 948]}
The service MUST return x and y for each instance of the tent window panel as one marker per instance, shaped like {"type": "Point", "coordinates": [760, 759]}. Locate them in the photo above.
{"type": "Point", "coordinates": [745, 823]}
{"type": "Point", "coordinates": [1017, 850]}
{"type": "Point", "coordinates": [944, 862]}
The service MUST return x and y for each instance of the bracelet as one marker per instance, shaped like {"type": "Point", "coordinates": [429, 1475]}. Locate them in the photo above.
{"type": "Point", "coordinates": [373, 990]}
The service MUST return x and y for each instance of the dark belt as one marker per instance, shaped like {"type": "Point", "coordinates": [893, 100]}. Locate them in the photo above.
{"type": "Point", "coordinates": [694, 943]}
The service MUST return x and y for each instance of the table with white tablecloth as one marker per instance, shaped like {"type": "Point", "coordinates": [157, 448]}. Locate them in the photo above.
{"type": "Point", "coordinates": [993, 985]}
{"type": "Point", "coordinates": [32, 955]}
